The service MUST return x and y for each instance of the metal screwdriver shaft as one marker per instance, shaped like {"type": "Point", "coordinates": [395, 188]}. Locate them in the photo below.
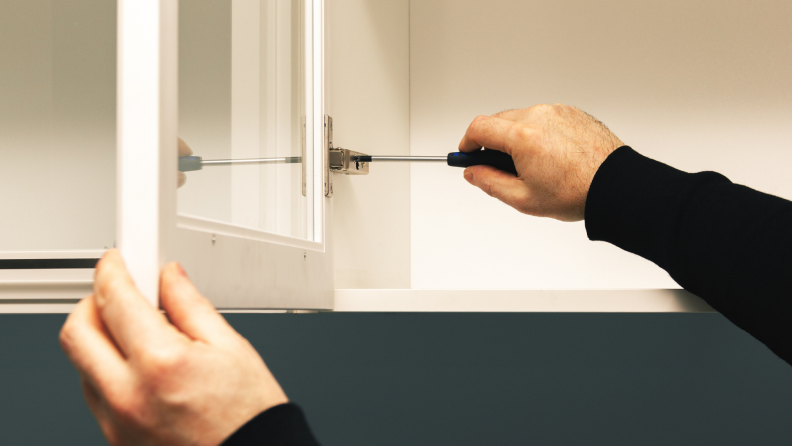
{"type": "Point", "coordinates": [284, 160]}
{"type": "Point", "coordinates": [192, 163]}
{"type": "Point", "coordinates": [399, 159]}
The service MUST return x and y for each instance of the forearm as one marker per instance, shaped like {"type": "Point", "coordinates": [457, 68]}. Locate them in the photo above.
{"type": "Point", "coordinates": [726, 243]}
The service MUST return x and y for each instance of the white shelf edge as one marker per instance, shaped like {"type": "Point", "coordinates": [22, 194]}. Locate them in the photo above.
{"type": "Point", "coordinates": [48, 300]}
{"type": "Point", "coordinates": [49, 306]}
{"type": "Point", "coordinates": [62, 254]}
{"type": "Point", "coordinates": [520, 301]}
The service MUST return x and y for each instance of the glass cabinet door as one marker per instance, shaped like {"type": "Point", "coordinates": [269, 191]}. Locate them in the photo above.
{"type": "Point", "coordinates": [242, 109]}
{"type": "Point", "coordinates": [241, 83]}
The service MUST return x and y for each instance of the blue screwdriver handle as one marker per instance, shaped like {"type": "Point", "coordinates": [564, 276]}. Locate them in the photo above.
{"type": "Point", "coordinates": [488, 157]}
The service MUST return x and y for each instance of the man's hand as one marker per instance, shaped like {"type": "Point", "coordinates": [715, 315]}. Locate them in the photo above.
{"type": "Point", "coordinates": [184, 150]}
{"type": "Point", "coordinates": [189, 379]}
{"type": "Point", "coordinates": [557, 149]}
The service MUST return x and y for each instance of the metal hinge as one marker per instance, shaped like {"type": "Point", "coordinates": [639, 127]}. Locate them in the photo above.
{"type": "Point", "coordinates": [338, 160]}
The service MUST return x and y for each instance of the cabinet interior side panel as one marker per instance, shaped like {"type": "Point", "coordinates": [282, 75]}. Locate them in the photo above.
{"type": "Point", "coordinates": [699, 85]}
{"type": "Point", "coordinates": [57, 124]}
{"type": "Point", "coordinates": [368, 98]}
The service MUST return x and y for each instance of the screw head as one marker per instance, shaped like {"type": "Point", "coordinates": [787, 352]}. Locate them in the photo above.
{"type": "Point", "coordinates": [214, 239]}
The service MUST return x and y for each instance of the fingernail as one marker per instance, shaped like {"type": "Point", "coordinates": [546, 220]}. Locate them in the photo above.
{"type": "Point", "coordinates": [181, 270]}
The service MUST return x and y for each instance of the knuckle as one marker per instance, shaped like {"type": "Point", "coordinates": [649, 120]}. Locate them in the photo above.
{"type": "Point", "coordinates": [519, 132]}
{"type": "Point", "coordinates": [479, 125]}
{"type": "Point", "coordinates": [521, 135]}
{"type": "Point", "coordinates": [162, 361]}
{"type": "Point", "coordinates": [557, 109]}
{"type": "Point", "coordinates": [480, 119]}
{"type": "Point", "coordinates": [66, 335]}
{"type": "Point", "coordinates": [104, 289]}
{"type": "Point", "coordinates": [540, 108]}
{"type": "Point", "coordinates": [69, 333]}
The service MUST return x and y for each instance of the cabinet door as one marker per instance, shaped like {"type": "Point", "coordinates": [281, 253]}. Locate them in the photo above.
{"type": "Point", "coordinates": [241, 79]}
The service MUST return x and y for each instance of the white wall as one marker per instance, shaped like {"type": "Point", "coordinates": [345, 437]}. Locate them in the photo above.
{"type": "Point", "coordinates": [701, 85]}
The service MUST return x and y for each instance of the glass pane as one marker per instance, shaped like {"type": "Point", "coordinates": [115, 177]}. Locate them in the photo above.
{"type": "Point", "coordinates": [242, 95]}
{"type": "Point", "coordinates": [57, 124]}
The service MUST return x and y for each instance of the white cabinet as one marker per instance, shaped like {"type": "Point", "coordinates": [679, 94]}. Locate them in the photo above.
{"type": "Point", "coordinates": [701, 86]}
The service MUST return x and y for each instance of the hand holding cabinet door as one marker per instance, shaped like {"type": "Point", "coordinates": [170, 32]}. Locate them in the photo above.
{"type": "Point", "coordinates": [188, 379]}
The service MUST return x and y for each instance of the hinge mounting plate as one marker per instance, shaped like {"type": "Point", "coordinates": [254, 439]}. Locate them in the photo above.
{"type": "Point", "coordinates": [338, 160]}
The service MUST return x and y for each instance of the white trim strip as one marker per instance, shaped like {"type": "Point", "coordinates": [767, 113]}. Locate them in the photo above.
{"type": "Point", "coordinates": [74, 254]}
{"type": "Point", "coordinates": [489, 301]}
{"type": "Point", "coordinates": [49, 283]}
{"type": "Point", "coordinates": [36, 308]}
{"type": "Point", "coordinates": [412, 301]}
{"type": "Point", "coordinates": [314, 73]}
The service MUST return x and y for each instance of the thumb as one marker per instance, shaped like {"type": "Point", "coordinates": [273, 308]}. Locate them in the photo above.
{"type": "Point", "coordinates": [188, 310]}
{"type": "Point", "coordinates": [499, 184]}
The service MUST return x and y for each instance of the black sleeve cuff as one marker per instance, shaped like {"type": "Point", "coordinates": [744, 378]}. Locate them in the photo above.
{"type": "Point", "coordinates": [282, 425]}
{"type": "Point", "coordinates": [634, 201]}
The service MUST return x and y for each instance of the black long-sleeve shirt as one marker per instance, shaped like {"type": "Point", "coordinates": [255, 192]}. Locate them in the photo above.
{"type": "Point", "coordinates": [726, 243]}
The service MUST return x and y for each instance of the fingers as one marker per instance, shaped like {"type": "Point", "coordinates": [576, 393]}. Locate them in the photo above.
{"type": "Point", "coordinates": [132, 321]}
{"type": "Point", "coordinates": [184, 149]}
{"type": "Point", "coordinates": [489, 131]}
{"type": "Point", "coordinates": [89, 347]}
{"type": "Point", "coordinates": [499, 184]}
{"type": "Point", "coordinates": [189, 311]}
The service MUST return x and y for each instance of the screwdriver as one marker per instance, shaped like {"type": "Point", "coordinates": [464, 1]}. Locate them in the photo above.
{"type": "Point", "coordinates": [488, 157]}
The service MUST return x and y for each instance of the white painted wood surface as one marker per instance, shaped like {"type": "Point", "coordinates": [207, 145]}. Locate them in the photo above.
{"type": "Point", "coordinates": [368, 66]}
{"type": "Point", "coordinates": [147, 136]}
